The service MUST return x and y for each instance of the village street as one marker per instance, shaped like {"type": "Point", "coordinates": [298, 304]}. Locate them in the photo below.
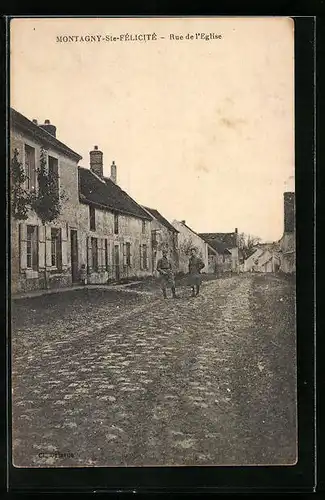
{"type": "Point", "coordinates": [126, 378]}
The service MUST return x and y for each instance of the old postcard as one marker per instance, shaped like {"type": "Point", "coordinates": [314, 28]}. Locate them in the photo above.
{"type": "Point", "coordinates": [152, 198]}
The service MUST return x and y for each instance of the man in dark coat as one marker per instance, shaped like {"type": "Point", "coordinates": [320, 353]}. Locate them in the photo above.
{"type": "Point", "coordinates": [164, 267]}
{"type": "Point", "coordinates": [194, 268]}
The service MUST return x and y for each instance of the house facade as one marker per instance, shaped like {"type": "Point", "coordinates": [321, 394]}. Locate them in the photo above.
{"type": "Point", "coordinates": [220, 258]}
{"type": "Point", "coordinates": [100, 234]}
{"type": "Point", "coordinates": [164, 236]}
{"type": "Point", "coordinates": [230, 241]}
{"type": "Point", "coordinates": [41, 253]}
{"type": "Point", "coordinates": [288, 240]}
{"type": "Point", "coordinates": [115, 231]}
{"type": "Point", "coordinates": [187, 239]}
{"type": "Point", "coordinates": [263, 260]}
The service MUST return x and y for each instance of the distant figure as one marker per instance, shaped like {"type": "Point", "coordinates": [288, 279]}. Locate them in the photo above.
{"type": "Point", "coordinates": [194, 268]}
{"type": "Point", "coordinates": [164, 267]}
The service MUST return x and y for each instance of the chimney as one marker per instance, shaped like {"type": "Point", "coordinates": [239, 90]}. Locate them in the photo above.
{"type": "Point", "coordinates": [35, 121]}
{"type": "Point", "coordinates": [113, 172]}
{"type": "Point", "coordinates": [183, 221]}
{"type": "Point", "coordinates": [51, 129]}
{"type": "Point", "coordinates": [236, 230]}
{"type": "Point", "coordinates": [96, 161]}
{"type": "Point", "coordinates": [289, 212]}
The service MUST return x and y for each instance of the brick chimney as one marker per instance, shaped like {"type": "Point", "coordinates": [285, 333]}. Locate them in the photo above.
{"type": "Point", "coordinates": [113, 172]}
{"type": "Point", "coordinates": [289, 212]}
{"type": "Point", "coordinates": [51, 129]}
{"type": "Point", "coordinates": [236, 237]}
{"type": "Point", "coordinates": [96, 161]}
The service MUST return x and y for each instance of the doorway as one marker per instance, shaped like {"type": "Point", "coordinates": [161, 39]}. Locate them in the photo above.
{"type": "Point", "coordinates": [117, 262]}
{"type": "Point", "coordinates": [74, 255]}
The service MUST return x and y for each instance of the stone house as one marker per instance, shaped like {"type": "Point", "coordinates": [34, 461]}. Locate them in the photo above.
{"type": "Point", "coordinates": [229, 241]}
{"type": "Point", "coordinates": [288, 240]}
{"type": "Point", "coordinates": [187, 238]}
{"type": "Point", "coordinates": [264, 259]}
{"type": "Point", "coordinates": [164, 236]}
{"type": "Point", "coordinates": [41, 254]}
{"type": "Point", "coordinates": [219, 256]}
{"type": "Point", "coordinates": [115, 231]}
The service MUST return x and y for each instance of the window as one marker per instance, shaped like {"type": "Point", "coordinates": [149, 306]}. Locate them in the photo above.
{"type": "Point", "coordinates": [94, 253]}
{"type": "Point", "coordinates": [143, 227]}
{"type": "Point", "coordinates": [56, 255]}
{"type": "Point", "coordinates": [54, 172]}
{"type": "Point", "coordinates": [30, 167]}
{"type": "Point", "coordinates": [115, 223]}
{"type": "Point", "coordinates": [32, 247]}
{"type": "Point", "coordinates": [144, 256]}
{"type": "Point", "coordinates": [106, 254]}
{"type": "Point", "coordinates": [92, 218]}
{"type": "Point", "coordinates": [128, 254]}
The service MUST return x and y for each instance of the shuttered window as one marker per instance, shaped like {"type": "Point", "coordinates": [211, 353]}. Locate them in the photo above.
{"type": "Point", "coordinates": [32, 247]}
{"type": "Point", "coordinates": [54, 173]}
{"type": "Point", "coordinates": [92, 218]}
{"type": "Point", "coordinates": [30, 167]}
{"type": "Point", "coordinates": [128, 254]}
{"type": "Point", "coordinates": [94, 254]}
{"type": "Point", "coordinates": [56, 248]}
{"type": "Point", "coordinates": [144, 256]}
{"type": "Point", "coordinates": [116, 228]}
{"type": "Point", "coordinates": [106, 255]}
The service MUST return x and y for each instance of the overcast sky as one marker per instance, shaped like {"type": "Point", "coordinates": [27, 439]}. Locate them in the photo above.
{"type": "Point", "coordinates": [202, 130]}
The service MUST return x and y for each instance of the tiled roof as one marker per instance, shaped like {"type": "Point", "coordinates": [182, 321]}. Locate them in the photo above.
{"type": "Point", "coordinates": [217, 245]}
{"type": "Point", "coordinates": [107, 194]}
{"type": "Point", "coordinates": [157, 215]}
{"type": "Point", "coordinates": [229, 239]}
{"type": "Point", "coordinates": [20, 121]}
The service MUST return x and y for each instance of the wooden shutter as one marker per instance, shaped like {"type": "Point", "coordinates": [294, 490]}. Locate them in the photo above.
{"type": "Point", "coordinates": [90, 262]}
{"type": "Point", "coordinates": [103, 255]}
{"type": "Point", "coordinates": [147, 256]}
{"type": "Point", "coordinates": [41, 247]}
{"type": "Point", "coordinates": [131, 256]}
{"type": "Point", "coordinates": [23, 246]}
{"type": "Point", "coordinates": [141, 262]}
{"type": "Point", "coordinates": [64, 247]}
{"type": "Point", "coordinates": [124, 254]}
{"type": "Point", "coordinates": [48, 254]}
{"type": "Point", "coordinates": [99, 254]}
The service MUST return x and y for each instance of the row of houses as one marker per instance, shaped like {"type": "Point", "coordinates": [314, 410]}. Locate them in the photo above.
{"type": "Point", "coordinates": [279, 255]}
{"type": "Point", "coordinates": [101, 233]}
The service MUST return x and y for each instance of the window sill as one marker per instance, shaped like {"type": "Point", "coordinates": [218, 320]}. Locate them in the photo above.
{"type": "Point", "coordinates": [31, 274]}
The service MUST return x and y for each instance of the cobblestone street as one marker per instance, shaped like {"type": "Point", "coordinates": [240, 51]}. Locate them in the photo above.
{"type": "Point", "coordinates": [126, 378]}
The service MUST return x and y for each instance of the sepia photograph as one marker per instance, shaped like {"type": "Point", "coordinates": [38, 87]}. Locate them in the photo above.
{"type": "Point", "coordinates": [152, 242]}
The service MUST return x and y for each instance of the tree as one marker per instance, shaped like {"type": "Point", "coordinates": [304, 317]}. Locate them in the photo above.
{"type": "Point", "coordinates": [247, 243]}
{"type": "Point", "coordinates": [186, 246]}
{"type": "Point", "coordinates": [20, 197]}
{"type": "Point", "coordinates": [47, 200]}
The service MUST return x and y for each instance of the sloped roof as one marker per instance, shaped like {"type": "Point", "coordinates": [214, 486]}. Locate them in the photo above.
{"type": "Point", "coordinates": [20, 121]}
{"type": "Point", "coordinates": [107, 194]}
{"type": "Point", "coordinates": [220, 247]}
{"type": "Point", "coordinates": [228, 239]}
{"type": "Point", "coordinates": [157, 215]}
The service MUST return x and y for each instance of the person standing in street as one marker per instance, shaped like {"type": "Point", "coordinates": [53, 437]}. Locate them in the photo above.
{"type": "Point", "coordinates": [164, 267]}
{"type": "Point", "coordinates": [195, 267]}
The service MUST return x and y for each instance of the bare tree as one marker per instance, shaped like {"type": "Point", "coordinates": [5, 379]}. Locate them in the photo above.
{"type": "Point", "coordinates": [247, 243]}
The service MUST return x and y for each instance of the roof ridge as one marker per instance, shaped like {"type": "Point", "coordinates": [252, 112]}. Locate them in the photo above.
{"type": "Point", "coordinates": [42, 131]}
